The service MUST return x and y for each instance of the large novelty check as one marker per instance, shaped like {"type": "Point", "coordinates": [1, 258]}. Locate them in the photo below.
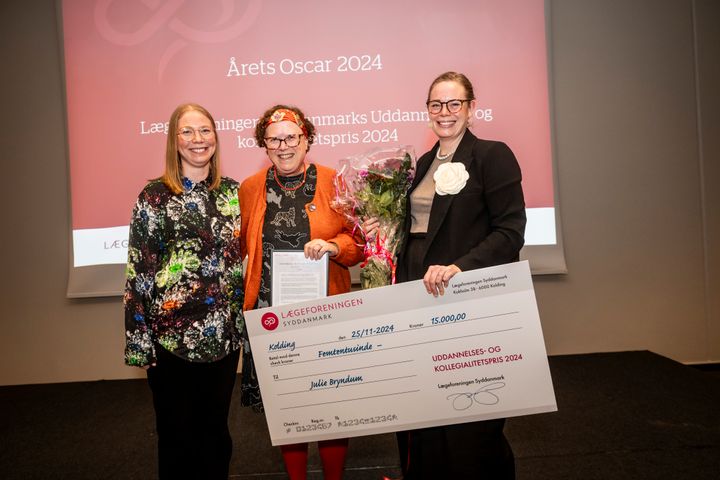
{"type": "Point", "coordinates": [395, 358]}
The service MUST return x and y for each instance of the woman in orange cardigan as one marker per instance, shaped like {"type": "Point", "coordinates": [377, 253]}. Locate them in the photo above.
{"type": "Point", "coordinates": [287, 206]}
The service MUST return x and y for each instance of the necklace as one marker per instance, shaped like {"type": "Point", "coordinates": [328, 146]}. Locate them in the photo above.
{"type": "Point", "coordinates": [290, 189]}
{"type": "Point", "coordinates": [442, 157]}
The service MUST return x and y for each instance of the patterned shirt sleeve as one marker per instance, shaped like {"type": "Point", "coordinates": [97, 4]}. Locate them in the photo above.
{"type": "Point", "coordinates": [144, 247]}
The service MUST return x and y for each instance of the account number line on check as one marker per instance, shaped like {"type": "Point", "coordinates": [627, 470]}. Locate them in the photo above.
{"type": "Point", "coordinates": [354, 339]}
{"type": "Point", "coordinates": [385, 349]}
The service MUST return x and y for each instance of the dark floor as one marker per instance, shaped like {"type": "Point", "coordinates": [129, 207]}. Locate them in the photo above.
{"type": "Point", "coordinates": [629, 415]}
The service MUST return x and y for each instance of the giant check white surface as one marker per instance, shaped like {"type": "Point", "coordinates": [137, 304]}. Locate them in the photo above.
{"type": "Point", "coordinates": [395, 358]}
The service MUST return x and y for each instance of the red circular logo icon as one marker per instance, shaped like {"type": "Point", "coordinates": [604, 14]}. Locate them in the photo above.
{"type": "Point", "coordinates": [270, 321]}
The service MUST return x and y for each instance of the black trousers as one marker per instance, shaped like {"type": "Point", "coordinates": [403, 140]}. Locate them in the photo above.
{"type": "Point", "coordinates": [476, 450]}
{"type": "Point", "coordinates": [192, 402]}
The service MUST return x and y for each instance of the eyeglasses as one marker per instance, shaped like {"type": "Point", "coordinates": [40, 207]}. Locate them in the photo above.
{"type": "Point", "coordinates": [453, 106]}
{"type": "Point", "coordinates": [273, 143]}
{"type": "Point", "coordinates": [188, 133]}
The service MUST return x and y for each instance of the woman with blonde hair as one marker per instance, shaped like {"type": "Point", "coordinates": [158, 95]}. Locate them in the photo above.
{"type": "Point", "coordinates": [183, 298]}
{"type": "Point", "coordinates": [465, 211]}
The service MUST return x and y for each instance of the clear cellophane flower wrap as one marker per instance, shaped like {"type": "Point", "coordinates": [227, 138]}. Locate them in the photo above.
{"type": "Point", "coordinates": [375, 184]}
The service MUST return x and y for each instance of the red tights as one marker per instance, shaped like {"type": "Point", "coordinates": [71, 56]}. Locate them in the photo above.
{"type": "Point", "coordinates": [332, 454]}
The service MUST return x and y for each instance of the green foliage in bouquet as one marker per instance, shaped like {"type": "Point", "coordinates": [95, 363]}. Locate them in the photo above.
{"type": "Point", "coordinates": [376, 185]}
{"type": "Point", "coordinates": [376, 272]}
{"type": "Point", "coordinates": [383, 193]}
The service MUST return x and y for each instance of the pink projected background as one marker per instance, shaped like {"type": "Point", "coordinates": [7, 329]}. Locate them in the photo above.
{"type": "Point", "coordinates": [360, 68]}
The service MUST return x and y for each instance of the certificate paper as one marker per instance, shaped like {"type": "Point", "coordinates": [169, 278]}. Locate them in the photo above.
{"type": "Point", "coordinates": [395, 358]}
{"type": "Point", "coordinates": [296, 278]}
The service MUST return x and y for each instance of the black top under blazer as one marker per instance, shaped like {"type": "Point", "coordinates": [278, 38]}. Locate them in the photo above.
{"type": "Point", "coordinates": [483, 224]}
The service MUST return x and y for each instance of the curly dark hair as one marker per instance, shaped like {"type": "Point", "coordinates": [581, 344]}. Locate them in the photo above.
{"type": "Point", "coordinates": [262, 124]}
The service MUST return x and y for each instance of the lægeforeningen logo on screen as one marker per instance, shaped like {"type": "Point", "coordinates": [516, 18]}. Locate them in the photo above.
{"type": "Point", "coordinates": [270, 321]}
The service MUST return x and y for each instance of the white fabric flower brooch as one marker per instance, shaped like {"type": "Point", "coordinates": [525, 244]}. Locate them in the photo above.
{"type": "Point", "coordinates": [450, 178]}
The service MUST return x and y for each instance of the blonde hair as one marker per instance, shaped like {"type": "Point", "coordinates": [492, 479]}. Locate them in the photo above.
{"type": "Point", "coordinates": [172, 178]}
{"type": "Point", "coordinates": [456, 77]}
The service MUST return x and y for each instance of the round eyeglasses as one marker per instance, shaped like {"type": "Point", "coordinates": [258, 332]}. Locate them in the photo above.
{"type": "Point", "coordinates": [453, 106]}
{"type": "Point", "coordinates": [188, 133]}
{"type": "Point", "coordinates": [292, 140]}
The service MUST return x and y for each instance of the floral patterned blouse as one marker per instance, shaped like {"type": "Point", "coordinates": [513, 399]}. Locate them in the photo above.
{"type": "Point", "coordinates": [184, 287]}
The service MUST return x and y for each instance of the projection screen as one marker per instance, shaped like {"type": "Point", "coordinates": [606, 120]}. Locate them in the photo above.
{"type": "Point", "coordinates": [359, 70]}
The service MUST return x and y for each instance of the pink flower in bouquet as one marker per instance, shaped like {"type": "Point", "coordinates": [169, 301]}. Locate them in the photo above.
{"type": "Point", "coordinates": [375, 185]}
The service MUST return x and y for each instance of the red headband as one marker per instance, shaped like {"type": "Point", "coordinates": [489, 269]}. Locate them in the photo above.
{"type": "Point", "coordinates": [285, 115]}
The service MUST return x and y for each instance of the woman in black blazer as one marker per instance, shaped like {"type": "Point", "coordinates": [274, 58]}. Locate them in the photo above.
{"type": "Point", "coordinates": [465, 211]}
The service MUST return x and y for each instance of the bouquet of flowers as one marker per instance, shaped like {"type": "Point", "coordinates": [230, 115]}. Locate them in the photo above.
{"type": "Point", "coordinates": [375, 184]}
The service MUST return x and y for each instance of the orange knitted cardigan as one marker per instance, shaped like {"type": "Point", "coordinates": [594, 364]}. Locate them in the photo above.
{"type": "Point", "coordinates": [325, 223]}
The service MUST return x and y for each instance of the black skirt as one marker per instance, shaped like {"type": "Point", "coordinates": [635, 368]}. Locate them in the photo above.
{"type": "Point", "coordinates": [413, 259]}
{"type": "Point", "coordinates": [467, 450]}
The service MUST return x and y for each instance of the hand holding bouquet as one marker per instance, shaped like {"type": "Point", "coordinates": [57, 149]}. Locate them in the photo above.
{"type": "Point", "coordinates": [375, 185]}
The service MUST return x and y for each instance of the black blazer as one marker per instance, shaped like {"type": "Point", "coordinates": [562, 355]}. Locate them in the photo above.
{"type": "Point", "coordinates": [483, 224]}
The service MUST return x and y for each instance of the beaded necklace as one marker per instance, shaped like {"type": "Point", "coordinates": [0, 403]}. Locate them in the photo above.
{"type": "Point", "coordinates": [442, 157]}
{"type": "Point", "coordinates": [290, 189]}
